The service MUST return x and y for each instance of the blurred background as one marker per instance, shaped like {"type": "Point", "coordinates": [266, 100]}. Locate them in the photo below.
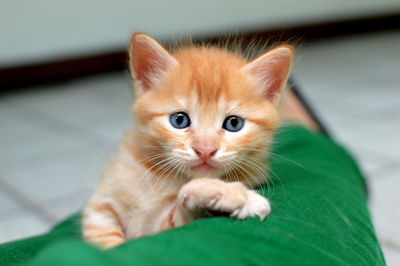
{"type": "Point", "coordinates": [65, 93]}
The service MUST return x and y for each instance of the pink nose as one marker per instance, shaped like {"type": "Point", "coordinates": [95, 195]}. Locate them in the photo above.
{"type": "Point", "coordinates": [205, 153]}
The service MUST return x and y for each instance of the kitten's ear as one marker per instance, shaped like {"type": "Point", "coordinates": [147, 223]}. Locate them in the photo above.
{"type": "Point", "coordinates": [148, 61]}
{"type": "Point", "coordinates": [271, 70]}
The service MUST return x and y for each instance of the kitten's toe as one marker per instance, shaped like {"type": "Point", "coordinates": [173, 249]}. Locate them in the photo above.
{"type": "Point", "coordinates": [211, 201]}
{"type": "Point", "coordinates": [257, 205]}
{"type": "Point", "coordinates": [236, 213]}
{"type": "Point", "coordinates": [194, 201]}
{"type": "Point", "coordinates": [184, 199]}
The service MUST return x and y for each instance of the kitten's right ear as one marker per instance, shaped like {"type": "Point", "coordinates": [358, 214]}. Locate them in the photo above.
{"type": "Point", "coordinates": [271, 71]}
{"type": "Point", "coordinates": [148, 61]}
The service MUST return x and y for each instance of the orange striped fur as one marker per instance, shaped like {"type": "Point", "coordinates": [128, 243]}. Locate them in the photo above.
{"type": "Point", "coordinates": [163, 176]}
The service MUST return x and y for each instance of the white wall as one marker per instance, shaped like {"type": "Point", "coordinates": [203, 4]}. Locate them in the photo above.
{"type": "Point", "coordinates": [40, 30]}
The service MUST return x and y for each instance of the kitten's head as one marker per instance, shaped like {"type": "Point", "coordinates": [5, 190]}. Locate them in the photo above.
{"type": "Point", "coordinates": [205, 111]}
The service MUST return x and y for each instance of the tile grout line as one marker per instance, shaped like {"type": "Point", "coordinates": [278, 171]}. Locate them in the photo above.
{"type": "Point", "coordinates": [25, 202]}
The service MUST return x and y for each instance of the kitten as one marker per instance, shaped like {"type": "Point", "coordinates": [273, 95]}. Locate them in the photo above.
{"type": "Point", "coordinates": [204, 118]}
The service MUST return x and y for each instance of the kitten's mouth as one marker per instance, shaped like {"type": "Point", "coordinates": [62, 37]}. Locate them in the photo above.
{"type": "Point", "coordinates": [204, 165]}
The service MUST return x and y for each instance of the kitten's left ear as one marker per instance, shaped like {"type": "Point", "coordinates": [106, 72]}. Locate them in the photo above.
{"type": "Point", "coordinates": [271, 71]}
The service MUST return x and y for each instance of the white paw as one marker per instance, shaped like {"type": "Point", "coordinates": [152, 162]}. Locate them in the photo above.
{"type": "Point", "coordinates": [216, 195]}
{"type": "Point", "coordinates": [256, 205]}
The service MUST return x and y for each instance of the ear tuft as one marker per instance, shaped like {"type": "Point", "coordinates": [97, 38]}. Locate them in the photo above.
{"type": "Point", "coordinates": [148, 61]}
{"type": "Point", "coordinates": [271, 71]}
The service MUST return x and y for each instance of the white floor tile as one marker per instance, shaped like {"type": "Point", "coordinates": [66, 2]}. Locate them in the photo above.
{"type": "Point", "coordinates": [21, 225]}
{"type": "Point", "coordinates": [332, 109]}
{"type": "Point", "coordinates": [366, 97]}
{"type": "Point", "coordinates": [113, 130]}
{"type": "Point", "coordinates": [63, 207]}
{"type": "Point", "coordinates": [60, 173]}
{"type": "Point", "coordinates": [115, 88]}
{"type": "Point", "coordinates": [379, 137]}
{"type": "Point", "coordinates": [93, 104]}
{"type": "Point", "coordinates": [335, 62]}
{"type": "Point", "coordinates": [21, 140]}
{"type": "Point", "coordinates": [392, 256]}
{"type": "Point", "coordinates": [372, 164]}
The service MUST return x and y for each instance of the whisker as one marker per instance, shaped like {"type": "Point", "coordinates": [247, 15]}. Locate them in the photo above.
{"type": "Point", "coordinates": [259, 168]}
{"type": "Point", "coordinates": [265, 151]}
{"type": "Point", "coordinates": [161, 178]}
{"type": "Point", "coordinates": [286, 159]}
{"type": "Point", "coordinates": [231, 170]}
{"type": "Point", "coordinates": [247, 173]}
{"type": "Point", "coordinates": [145, 179]}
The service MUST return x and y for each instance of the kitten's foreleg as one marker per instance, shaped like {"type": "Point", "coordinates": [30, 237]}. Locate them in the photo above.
{"type": "Point", "coordinates": [102, 225]}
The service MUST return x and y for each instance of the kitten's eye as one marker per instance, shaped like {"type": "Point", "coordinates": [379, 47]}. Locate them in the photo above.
{"type": "Point", "coordinates": [179, 120]}
{"type": "Point", "coordinates": [233, 123]}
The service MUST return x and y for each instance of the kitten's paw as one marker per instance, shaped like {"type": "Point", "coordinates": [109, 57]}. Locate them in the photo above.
{"type": "Point", "coordinates": [215, 195]}
{"type": "Point", "coordinates": [256, 205]}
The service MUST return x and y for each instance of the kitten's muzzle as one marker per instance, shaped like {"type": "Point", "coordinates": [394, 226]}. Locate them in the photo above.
{"type": "Point", "coordinates": [205, 153]}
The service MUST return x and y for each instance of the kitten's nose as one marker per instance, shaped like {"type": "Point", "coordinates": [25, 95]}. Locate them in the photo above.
{"type": "Point", "coordinates": [205, 153]}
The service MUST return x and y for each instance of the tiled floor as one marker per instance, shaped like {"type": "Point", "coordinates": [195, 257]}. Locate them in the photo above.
{"type": "Point", "coordinates": [55, 140]}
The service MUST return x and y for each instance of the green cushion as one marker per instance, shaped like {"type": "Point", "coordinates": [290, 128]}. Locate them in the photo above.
{"type": "Point", "coordinates": [319, 217]}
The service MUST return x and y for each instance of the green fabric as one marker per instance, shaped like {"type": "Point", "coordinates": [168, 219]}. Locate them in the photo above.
{"type": "Point", "coordinates": [319, 217]}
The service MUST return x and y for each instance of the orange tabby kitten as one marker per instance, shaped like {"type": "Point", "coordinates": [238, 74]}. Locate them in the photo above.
{"type": "Point", "coordinates": [203, 120]}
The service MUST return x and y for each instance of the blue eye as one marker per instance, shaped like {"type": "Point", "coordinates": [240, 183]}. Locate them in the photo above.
{"type": "Point", "coordinates": [233, 123]}
{"type": "Point", "coordinates": [179, 120]}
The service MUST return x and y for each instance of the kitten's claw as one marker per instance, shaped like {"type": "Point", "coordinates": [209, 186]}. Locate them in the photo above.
{"type": "Point", "coordinates": [216, 195]}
